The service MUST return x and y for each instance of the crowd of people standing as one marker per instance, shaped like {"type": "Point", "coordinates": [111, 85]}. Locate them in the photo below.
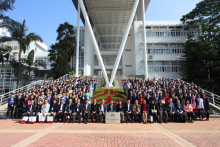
{"type": "Point", "coordinates": [158, 100]}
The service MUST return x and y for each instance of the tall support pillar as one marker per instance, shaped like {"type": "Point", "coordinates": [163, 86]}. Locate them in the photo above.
{"type": "Point", "coordinates": [145, 44]}
{"type": "Point", "coordinates": [77, 45]}
{"type": "Point", "coordinates": [93, 40]}
{"type": "Point", "coordinates": [124, 39]}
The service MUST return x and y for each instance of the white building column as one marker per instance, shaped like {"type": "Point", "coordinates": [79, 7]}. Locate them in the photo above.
{"type": "Point", "coordinates": [124, 39]}
{"type": "Point", "coordinates": [145, 44]}
{"type": "Point", "coordinates": [77, 44]}
{"type": "Point", "coordinates": [93, 40]}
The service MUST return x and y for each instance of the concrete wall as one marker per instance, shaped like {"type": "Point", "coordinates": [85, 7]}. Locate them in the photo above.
{"type": "Point", "coordinates": [89, 53]}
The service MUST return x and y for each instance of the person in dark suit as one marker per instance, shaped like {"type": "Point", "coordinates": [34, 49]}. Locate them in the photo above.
{"type": "Point", "coordinates": [120, 108]}
{"type": "Point", "coordinates": [155, 98]}
{"type": "Point", "coordinates": [136, 109]}
{"type": "Point", "coordinates": [128, 111]}
{"type": "Point", "coordinates": [102, 111]}
{"type": "Point", "coordinates": [86, 111]}
{"type": "Point", "coordinates": [60, 112]}
{"type": "Point", "coordinates": [38, 107]}
{"type": "Point", "coordinates": [53, 109]}
{"type": "Point", "coordinates": [135, 97]}
{"type": "Point", "coordinates": [10, 110]}
{"type": "Point", "coordinates": [144, 111]}
{"type": "Point", "coordinates": [171, 110]}
{"type": "Point", "coordinates": [180, 112]}
{"type": "Point", "coordinates": [18, 105]}
{"type": "Point", "coordinates": [206, 106]}
{"type": "Point", "coordinates": [68, 110]}
{"type": "Point", "coordinates": [162, 111]}
{"type": "Point", "coordinates": [77, 111]}
{"type": "Point", "coordinates": [30, 110]}
{"type": "Point", "coordinates": [152, 109]}
{"type": "Point", "coordinates": [130, 96]}
{"type": "Point", "coordinates": [94, 111]}
{"type": "Point", "coordinates": [111, 107]}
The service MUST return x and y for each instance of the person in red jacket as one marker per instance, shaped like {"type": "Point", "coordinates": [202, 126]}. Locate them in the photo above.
{"type": "Point", "coordinates": [167, 99]}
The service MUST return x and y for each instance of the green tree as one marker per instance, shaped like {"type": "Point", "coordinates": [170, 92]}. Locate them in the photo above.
{"type": "Point", "coordinates": [19, 33]}
{"type": "Point", "coordinates": [56, 54]}
{"type": "Point", "coordinates": [33, 65]}
{"type": "Point", "coordinates": [4, 53]}
{"type": "Point", "coordinates": [67, 39]}
{"type": "Point", "coordinates": [6, 5]}
{"type": "Point", "coordinates": [204, 54]}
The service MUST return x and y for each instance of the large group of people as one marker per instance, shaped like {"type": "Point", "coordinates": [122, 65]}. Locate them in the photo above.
{"type": "Point", "coordinates": [167, 99]}
{"type": "Point", "coordinates": [160, 100]}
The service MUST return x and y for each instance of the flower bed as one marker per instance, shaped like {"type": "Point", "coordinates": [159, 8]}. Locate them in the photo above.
{"type": "Point", "coordinates": [108, 95]}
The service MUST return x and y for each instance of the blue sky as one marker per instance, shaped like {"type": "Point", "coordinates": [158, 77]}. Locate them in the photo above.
{"type": "Point", "coordinates": [44, 16]}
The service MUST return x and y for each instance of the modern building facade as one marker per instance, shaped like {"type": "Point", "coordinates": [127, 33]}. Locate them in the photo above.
{"type": "Point", "coordinates": [120, 41]}
{"type": "Point", "coordinates": [7, 77]}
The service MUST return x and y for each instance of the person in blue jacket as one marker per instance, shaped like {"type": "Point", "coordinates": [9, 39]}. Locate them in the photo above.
{"type": "Point", "coordinates": [11, 102]}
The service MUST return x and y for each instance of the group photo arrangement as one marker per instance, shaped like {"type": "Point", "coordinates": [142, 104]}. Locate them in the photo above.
{"type": "Point", "coordinates": [140, 101]}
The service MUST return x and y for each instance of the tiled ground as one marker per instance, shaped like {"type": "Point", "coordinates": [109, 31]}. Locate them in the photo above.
{"type": "Point", "coordinates": [10, 139]}
{"type": "Point", "coordinates": [91, 140]}
{"type": "Point", "coordinates": [95, 126]}
{"type": "Point", "coordinates": [202, 139]}
{"type": "Point", "coordinates": [200, 133]}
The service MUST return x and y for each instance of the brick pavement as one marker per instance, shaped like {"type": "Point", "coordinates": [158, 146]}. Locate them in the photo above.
{"type": "Point", "coordinates": [200, 133]}
{"type": "Point", "coordinates": [9, 139]}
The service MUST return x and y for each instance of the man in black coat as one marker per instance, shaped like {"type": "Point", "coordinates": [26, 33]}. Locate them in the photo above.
{"type": "Point", "coordinates": [162, 111]}
{"type": "Point", "coordinates": [60, 112]}
{"type": "Point", "coordinates": [94, 110]}
{"type": "Point", "coordinates": [120, 108]}
{"type": "Point", "coordinates": [68, 110]}
{"type": "Point", "coordinates": [18, 105]}
{"type": "Point", "coordinates": [128, 110]}
{"type": "Point", "coordinates": [171, 110]}
{"type": "Point", "coordinates": [111, 107]}
{"type": "Point", "coordinates": [77, 111]}
{"type": "Point", "coordinates": [53, 109]}
{"type": "Point", "coordinates": [86, 111]}
{"type": "Point", "coordinates": [30, 109]}
{"type": "Point", "coordinates": [206, 106]}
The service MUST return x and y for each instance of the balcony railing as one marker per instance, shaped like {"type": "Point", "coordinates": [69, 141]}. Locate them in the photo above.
{"type": "Point", "coordinates": [164, 68]}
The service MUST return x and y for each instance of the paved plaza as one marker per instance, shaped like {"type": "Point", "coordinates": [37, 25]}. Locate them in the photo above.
{"type": "Point", "coordinates": [200, 133]}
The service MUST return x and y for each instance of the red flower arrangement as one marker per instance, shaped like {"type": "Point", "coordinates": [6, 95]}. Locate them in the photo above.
{"type": "Point", "coordinates": [114, 95]}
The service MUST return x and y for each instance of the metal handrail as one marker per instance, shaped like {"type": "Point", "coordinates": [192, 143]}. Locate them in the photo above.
{"type": "Point", "coordinates": [154, 75]}
{"type": "Point", "coordinates": [4, 97]}
{"type": "Point", "coordinates": [213, 98]}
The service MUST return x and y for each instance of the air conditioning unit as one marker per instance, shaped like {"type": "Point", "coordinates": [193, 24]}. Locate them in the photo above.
{"type": "Point", "coordinates": [150, 56]}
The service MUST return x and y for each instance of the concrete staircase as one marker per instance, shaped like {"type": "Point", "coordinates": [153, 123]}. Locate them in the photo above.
{"type": "Point", "coordinates": [117, 79]}
{"type": "Point", "coordinates": [3, 111]}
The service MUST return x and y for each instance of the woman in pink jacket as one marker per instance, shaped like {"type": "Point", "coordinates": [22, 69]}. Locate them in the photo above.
{"type": "Point", "coordinates": [189, 111]}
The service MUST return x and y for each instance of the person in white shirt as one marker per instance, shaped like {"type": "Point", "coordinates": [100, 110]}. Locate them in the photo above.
{"type": "Point", "coordinates": [200, 106]}
{"type": "Point", "coordinates": [102, 111]}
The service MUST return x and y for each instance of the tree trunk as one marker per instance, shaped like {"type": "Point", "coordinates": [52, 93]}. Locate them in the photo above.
{"type": "Point", "coordinates": [29, 79]}
{"type": "Point", "coordinates": [209, 77]}
{"type": "Point", "coordinates": [2, 60]}
{"type": "Point", "coordinates": [59, 66]}
{"type": "Point", "coordinates": [72, 61]}
{"type": "Point", "coordinates": [67, 59]}
{"type": "Point", "coordinates": [19, 64]}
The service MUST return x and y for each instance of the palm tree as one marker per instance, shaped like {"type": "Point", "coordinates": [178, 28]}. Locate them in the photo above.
{"type": "Point", "coordinates": [6, 5]}
{"type": "Point", "coordinates": [72, 52]}
{"type": "Point", "coordinates": [4, 50]}
{"type": "Point", "coordinates": [56, 55]}
{"type": "Point", "coordinates": [19, 33]}
{"type": "Point", "coordinates": [66, 38]}
{"type": "Point", "coordinates": [33, 65]}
